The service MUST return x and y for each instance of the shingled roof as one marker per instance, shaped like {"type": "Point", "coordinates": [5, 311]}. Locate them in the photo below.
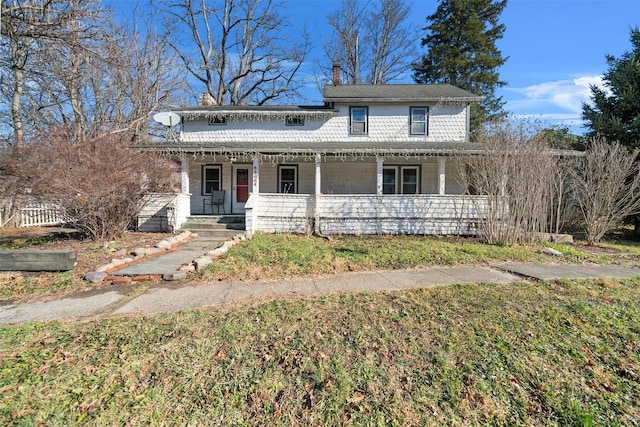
{"type": "Point", "coordinates": [397, 93]}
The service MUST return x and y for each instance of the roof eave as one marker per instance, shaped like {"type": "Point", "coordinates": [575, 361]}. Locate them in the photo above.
{"type": "Point", "coordinates": [405, 100]}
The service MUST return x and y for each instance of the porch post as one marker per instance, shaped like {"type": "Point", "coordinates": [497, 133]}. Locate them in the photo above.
{"type": "Point", "coordinates": [379, 168]}
{"type": "Point", "coordinates": [254, 198]}
{"type": "Point", "coordinates": [441, 176]}
{"type": "Point", "coordinates": [318, 174]}
{"type": "Point", "coordinates": [184, 175]}
{"type": "Point", "coordinates": [316, 211]}
{"type": "Point", "coordinates": [256, 176]}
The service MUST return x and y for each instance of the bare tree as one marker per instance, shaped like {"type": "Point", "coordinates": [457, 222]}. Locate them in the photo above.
{"type": "Point", "coordinates": [345, 46]}
{"type": "Point", "coordinates": [606, 187]}
{"type": "Point", "coordinates": [372, 41]}
{"type": "Point", "coordinates": [82, 68]}
{"type": "Point", "coordinates": [116, 82]}
{"type": "Point", "coordinates": [237, 49]}
{"type": "Point", "coordinates": [29, 27]}
{"type": "Point", "coordinates": [392, 41]}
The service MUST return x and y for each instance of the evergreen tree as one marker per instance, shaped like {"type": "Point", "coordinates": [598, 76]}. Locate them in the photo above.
{"type": "Point", "coordinates": [461, 42]}
{"type": "Point", "coordinates": [615, 114]}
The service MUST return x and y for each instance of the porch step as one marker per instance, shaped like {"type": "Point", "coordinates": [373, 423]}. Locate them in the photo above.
{"type": "Point", "coordinates": [221, 226]}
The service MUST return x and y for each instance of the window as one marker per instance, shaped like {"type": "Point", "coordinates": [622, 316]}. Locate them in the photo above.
{"type": "Point", "coordinates": [294, 121]}
{"type": "Point", "coordinates": [389, 179]}
{"type": "Point", "coordinates": [409, 179]}
{"type": "Point", "coordinates": [288, 179]}
{"type": "Point", "coordinates": [407, 184]}
{"type": "Point", "coordinates": [211, 179]}
{"type": "Point", "coordinates": [418, 119]}
{"type": "Point", "coordinates": [358, 120]}
{"type": "Point", "coordinates": [217, 121]}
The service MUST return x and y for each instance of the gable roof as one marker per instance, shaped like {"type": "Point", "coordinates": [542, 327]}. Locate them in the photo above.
{"type": "Point", "coordinates": [397, 93]}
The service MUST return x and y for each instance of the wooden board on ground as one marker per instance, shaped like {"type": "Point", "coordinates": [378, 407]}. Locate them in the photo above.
{"type": "Point", "coordinates": [34, 260]}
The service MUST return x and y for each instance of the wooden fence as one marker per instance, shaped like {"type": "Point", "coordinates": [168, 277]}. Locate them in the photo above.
{"type": "Point", "coordinates": [34, 215]}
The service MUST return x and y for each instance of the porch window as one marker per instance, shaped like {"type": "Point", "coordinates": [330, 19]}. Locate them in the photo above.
{"type": "Point", "coordinates": [211, 178]}
{"type": "Point", "coordinates": [418, 119]}
{"type": "Point", "coordinates": [288, 179]}
{"type": "Point", "coordinates": [409, 180]}
{"type": "Point", "coordinates": [359, 120]}
{"type": "Point", "coordinates": [400, 180]}
{"type": "Point", "coordinates": [389, 180]}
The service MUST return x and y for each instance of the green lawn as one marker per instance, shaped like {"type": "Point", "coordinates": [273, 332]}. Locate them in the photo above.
{"type": "Point", "coordinates": [564, 353]}
{"type": "Point", "coordinates": [275, 256]}
{"type": "Point", "coordinates": [269, 256]}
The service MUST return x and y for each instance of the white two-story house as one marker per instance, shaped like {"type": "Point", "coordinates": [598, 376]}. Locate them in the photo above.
{"type": "Point", "coordinates": [374, 159]}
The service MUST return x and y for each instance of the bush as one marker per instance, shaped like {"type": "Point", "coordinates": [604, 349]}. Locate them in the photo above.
{"type": "Point", "coordinates": [606, 187]}
{"type": "Point", "coordinates": [521, 179]}
{"type": "Point", "coordinates": [99, 184]}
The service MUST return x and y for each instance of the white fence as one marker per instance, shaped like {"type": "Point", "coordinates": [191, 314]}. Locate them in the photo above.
{"type": "Point", "coordinates": [34, 215]}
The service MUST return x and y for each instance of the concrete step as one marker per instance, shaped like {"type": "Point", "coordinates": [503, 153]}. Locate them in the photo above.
{"type": "Point", "coordinates": [222, 220]}
{"type": "Point", "coordinates": [217, 234]}
{"type": "Point", "coordinates": [215, 226]}
{"type": "Point", "coordinates": [211, 226]}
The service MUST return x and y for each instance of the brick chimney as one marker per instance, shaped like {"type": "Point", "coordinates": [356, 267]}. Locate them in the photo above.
{"type": "Point", "coordinates": [336, 73]}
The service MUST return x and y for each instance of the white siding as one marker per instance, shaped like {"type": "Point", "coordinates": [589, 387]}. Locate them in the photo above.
{"type": "Point", "coordinates": [387, 123]}
{"type": "Point", "coordinates": [349, 177]}
{"type": "Point", "coordinates": [429, 181]}
{"type": "Point", "coordinates": [281, 213]}
{"type": "Point", "coordinates": [157, 214]}
{"type": "Point", "coordinates": [195, 183]}
{"type": "Point", "coordinates": [452, 180]}
{"type": "Point", "coordinates": [399, 214]}
{"type": "Point", "coordinates": [367, 214]}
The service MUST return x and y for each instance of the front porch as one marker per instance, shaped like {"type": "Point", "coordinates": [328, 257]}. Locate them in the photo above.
{"type": "Point", "coordinates": [414, 193]}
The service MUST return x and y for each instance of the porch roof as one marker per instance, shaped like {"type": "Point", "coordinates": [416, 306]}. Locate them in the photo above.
{"type": "Point", "coordinates": [330, 148]}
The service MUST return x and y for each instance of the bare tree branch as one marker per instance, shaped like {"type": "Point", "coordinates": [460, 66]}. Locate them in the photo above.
{"type": "Point", "coordinates": [236, 48]}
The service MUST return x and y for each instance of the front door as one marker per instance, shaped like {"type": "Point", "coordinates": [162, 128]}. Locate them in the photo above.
{"type": "Point", "coordinates": [241, 187]}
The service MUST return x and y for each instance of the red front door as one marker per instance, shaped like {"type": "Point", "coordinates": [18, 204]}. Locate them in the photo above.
{"type": "Point", "coordinates": [242, 185]}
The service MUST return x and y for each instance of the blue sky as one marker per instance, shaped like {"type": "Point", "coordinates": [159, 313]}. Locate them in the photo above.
{"type": "Point", "coordinates": [556, 48]}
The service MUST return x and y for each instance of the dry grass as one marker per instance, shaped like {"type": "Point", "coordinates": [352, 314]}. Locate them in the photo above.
{"type": "Point", "coordinates": [564, 353]}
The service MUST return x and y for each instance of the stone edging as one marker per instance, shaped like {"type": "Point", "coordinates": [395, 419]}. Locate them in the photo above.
{"type": "Point", "coordinates": [209, 257]}
{"type": "Point", "coordinates": [101, 273]}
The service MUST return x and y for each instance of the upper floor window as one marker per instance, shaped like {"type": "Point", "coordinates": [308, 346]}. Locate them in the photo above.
{"type": "Point", "coordinates": [419, 120]}
{"type": "Point", "coordinates": [217, 120]}
{"type": "Point", "coordinates": [359, 120]}
{"type": "Point", "coordinates": [294, 121]}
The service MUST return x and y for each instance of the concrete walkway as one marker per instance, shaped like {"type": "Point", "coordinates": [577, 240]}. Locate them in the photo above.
{"type": "Point", "coordinates": [170, 262]}
{"type": "Point", "coordinates": [166, 297]}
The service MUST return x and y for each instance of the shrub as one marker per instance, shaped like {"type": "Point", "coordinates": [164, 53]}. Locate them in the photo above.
{"type": "Point", "coordinates": [99, 184]}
